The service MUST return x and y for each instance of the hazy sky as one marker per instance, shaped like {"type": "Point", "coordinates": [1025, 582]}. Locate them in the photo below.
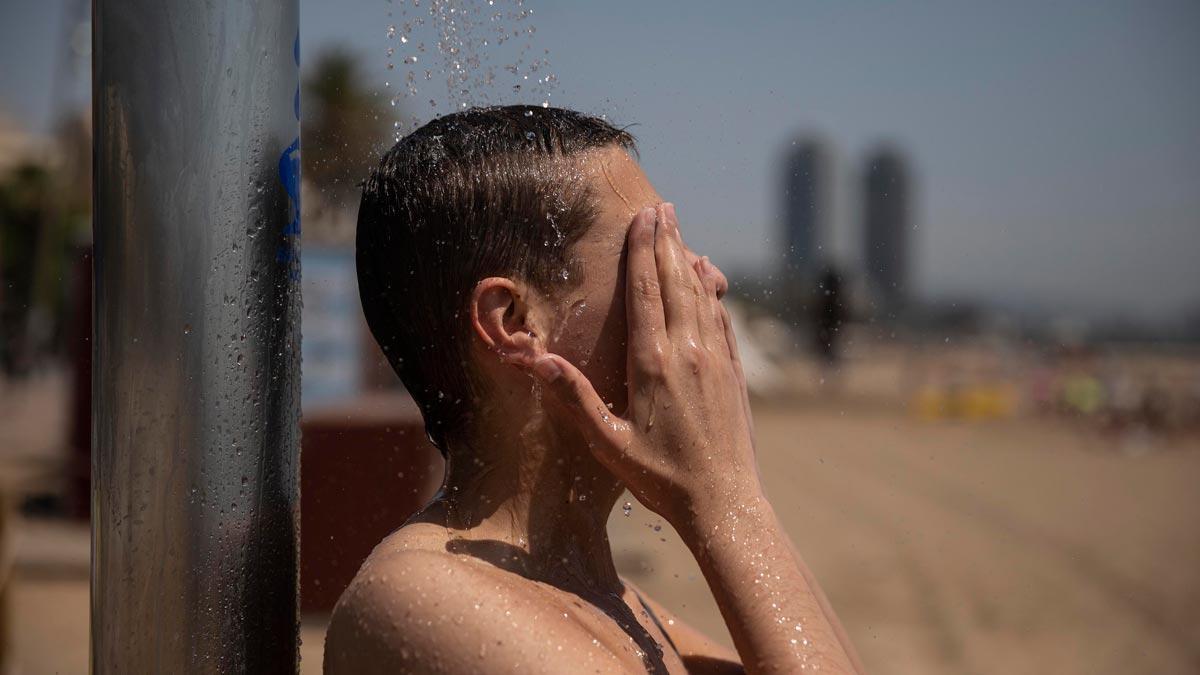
{"type": "Point", "coordinates": [1056, 146]}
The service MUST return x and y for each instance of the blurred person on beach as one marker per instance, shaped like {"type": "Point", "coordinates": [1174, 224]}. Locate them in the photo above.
{"type": "Point", "coordinates": [535, 295]}
{"type": "Point", "coordinates": [830, 314]}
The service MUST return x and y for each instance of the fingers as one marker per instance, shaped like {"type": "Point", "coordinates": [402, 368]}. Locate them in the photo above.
{"type": "Point", "coordinates": [681, 293]}
{"type": "Point", "coordinates": [575, 393]}
{"type": "Point", "coordinates": [719, 280]}
{"type": "Point", "coordinates": [736, 359]}
{"type": "Point", "coordinates": [731, 340]}
{"type": "Point", "coordinates": [710, 275]}
{"type": "Point", "coordinates": [710, 315]}
{"type": "Point", "coordinates": [715, 285]}
{"type": "Point", "coordinates": [643, 295]}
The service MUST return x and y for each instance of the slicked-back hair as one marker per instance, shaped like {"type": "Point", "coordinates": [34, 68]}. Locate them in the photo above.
{"type": "Point", "coordinates": [479, 193]}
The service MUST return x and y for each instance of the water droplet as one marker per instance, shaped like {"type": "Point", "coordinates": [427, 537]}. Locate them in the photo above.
{"type": "Point", "coordinates": [627, 509]}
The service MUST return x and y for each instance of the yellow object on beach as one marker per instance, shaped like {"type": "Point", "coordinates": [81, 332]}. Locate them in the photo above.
{"type": "Point", "coordinates": [976, 402]}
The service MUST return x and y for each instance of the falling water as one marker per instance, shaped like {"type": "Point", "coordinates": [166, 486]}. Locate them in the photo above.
{"type": "Point", "coordinates": [460, 53]}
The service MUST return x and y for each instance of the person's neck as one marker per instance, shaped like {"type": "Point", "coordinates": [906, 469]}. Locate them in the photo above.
{"type": "Point", "coordinates": [532, 499]}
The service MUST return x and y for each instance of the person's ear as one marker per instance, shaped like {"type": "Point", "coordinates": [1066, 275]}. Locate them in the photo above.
{"type": "Point", "coordinates": [501, 319]}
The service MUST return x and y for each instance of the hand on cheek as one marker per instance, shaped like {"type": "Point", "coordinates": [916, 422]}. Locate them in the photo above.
{"type": "Point", "coordinates": [685, 433]}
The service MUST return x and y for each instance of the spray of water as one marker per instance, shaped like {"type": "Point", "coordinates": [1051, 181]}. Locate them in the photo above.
{"type": "Point", "coordinates": [482, 50]}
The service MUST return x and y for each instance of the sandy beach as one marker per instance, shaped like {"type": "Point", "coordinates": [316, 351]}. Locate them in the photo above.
{"type": "Point", "coordinates": [1021, 545]}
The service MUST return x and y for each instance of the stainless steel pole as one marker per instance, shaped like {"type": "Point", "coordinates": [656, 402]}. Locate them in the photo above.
{"type": "Point", "coordinates": [196, 378]}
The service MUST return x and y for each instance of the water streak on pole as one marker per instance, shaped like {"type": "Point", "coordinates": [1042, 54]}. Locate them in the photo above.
{"type": "Point", "coordinates": [196, 343]}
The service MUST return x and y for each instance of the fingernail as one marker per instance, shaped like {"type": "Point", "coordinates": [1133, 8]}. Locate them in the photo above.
{"type": "Point", "coordinates": [705, 265]}
{"type": "Point", "coordinates": [546, 369]}
{"type": "Point", "coordinates": [670, 209]}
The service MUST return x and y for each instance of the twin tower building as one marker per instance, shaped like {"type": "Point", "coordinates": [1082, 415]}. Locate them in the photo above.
{"type": "Point", "coordinates": [880, 203]}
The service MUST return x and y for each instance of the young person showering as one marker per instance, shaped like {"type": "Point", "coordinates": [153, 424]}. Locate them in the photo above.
{"type": "Point", "coordinates": [535, 295]}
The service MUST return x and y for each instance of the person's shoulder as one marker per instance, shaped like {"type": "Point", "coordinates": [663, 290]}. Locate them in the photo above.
{"type": "Point", "coordinates": [369, 630]}
{"type": "Point", "coordinates": [425, 560]}
{"type": "Point", "coordinates": [415, 608]}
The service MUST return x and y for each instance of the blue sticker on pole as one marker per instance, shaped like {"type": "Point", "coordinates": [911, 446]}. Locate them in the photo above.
{"type": "Point", "coordinates": [289, 176]}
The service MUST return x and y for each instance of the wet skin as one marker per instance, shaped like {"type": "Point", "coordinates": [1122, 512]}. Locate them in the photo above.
{"type": "Point", "coordinates": [625, 377]}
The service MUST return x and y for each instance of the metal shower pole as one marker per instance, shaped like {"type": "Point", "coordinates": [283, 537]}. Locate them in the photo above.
{"type": "Point", "coordinates": [196, 340]}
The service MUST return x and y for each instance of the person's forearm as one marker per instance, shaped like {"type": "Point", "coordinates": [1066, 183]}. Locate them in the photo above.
{"type": "Point", "coordinates": [776, 613]}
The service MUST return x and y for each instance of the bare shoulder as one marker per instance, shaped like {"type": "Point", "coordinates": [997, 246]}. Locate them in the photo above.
{"type": "Point", "coordinates": [416, 607]}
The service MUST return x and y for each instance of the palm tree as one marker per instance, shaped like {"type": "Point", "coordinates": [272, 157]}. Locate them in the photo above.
{"type": "Point", "coordinates": [345, 130]}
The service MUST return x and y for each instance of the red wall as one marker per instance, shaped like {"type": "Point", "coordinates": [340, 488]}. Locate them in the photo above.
{"type": "Point", "coordinates": [365, 467]}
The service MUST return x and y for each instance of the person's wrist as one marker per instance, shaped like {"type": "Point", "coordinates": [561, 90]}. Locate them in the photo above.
{"type": "Point", "coordinates": [710, 504]}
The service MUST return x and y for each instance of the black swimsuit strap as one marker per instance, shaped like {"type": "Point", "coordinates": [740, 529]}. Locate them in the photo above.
{"type": "Point", "coordinates": [654, 617]}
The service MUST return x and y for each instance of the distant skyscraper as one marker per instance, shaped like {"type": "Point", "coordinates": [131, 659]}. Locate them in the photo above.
{"type": "Point", "coordinates": [807, 196]}
{"type": "Point", "coordinates": [886, 226]}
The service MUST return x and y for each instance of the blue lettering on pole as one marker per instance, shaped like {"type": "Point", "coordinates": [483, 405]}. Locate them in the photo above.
{"type": "Point", "coordinates": [289, 176]}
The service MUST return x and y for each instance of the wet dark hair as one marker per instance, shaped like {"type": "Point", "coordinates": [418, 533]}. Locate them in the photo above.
{"type": "Point", "coordinates": [479, 193]}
